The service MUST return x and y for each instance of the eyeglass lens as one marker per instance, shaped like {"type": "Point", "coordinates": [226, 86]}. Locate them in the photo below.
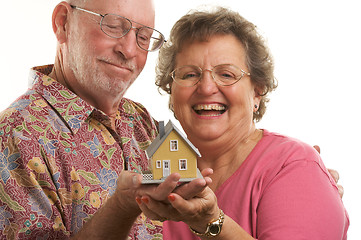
{"type": "Point", "coordinates": [116, 26]}
{"type": "Point", "coordinates": [223, 74]}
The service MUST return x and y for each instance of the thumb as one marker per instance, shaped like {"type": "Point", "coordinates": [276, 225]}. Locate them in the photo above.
{"type": "Point", "coordinates": [127, 180]}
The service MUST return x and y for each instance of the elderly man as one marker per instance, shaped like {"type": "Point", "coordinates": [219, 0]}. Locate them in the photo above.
{"type": "Point", "coordinates": [65, 143]}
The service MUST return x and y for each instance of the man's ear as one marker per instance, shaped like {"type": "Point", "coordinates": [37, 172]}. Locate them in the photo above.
{"type": "Point", "coordinates": [60, 20]}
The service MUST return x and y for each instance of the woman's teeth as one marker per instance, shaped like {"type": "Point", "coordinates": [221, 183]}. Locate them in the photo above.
{"type": "Point", "coordinates": [209, 109]}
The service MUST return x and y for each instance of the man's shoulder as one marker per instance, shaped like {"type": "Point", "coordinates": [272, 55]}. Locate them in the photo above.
{"type": "Point", "coordinates": [26, 103]}
{"type": "Point", "coordinates": [139, 115]}
{"type": "Point", "coordinates": [134, 104]}
{"type": "Point", "coordinates": [25, 118]}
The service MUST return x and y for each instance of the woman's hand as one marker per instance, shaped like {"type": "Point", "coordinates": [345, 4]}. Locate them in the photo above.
{"type": "Point", "coordinates": [196, 211]}
{"type": "Point", "coordinates": [193, 203]}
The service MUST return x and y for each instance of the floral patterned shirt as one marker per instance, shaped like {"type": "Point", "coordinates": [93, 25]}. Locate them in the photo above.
{"type": "Point", "coordinates": [59, 160]}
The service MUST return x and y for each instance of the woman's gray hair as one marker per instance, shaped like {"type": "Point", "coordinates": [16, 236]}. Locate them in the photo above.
{"type": "Point", "coordinates": [201, 25]}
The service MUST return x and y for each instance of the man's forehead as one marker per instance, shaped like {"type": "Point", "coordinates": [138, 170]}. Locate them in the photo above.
{"type": "Point", "coordinates": [141, 11]}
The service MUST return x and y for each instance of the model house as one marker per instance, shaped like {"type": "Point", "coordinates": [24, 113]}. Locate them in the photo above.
{"type": "Point", "coordinates": [171, 152]}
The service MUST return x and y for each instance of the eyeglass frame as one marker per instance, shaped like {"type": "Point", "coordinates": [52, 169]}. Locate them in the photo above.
{"type": "Point", "coordinates": [172, 75]}
{"type": "Point", "coordinates": [131, 27]}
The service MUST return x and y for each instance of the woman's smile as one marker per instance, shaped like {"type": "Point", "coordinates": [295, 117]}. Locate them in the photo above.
{"type": "Point", "coordinates": [210, 110]}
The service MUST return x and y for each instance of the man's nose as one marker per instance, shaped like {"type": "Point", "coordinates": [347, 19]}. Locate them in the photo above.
{"type": "Point", "coordinates": [127, 44]}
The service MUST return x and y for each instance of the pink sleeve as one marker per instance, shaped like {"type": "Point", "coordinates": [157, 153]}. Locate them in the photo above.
{"type": "Point", "coordinates": [298, 202]}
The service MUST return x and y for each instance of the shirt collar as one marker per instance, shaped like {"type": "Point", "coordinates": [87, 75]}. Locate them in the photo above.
{"type": "Point", "coordinates": [68, 105]}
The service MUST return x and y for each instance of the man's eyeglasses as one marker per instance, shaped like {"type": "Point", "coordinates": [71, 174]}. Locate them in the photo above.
{"type": "Point", "coordinates": [224, 75]}
{"type": "Point", "coordinates": [116, 26]}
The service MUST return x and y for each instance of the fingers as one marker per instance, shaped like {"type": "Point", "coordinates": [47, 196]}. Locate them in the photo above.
{"type": "Point", "coordinates": [340, 190]}
{"type": "Point", "coordinates": [127, 185]}
{"type": "Point", "coordinates": [191, 189]}
{"type": "Point", "coordinates": [158, 210]}
{"type": "Point", "coordinates": [318, 149]}
{"type": "Point", "coordinates": [160, 192]}
{"type": "Point", "coordinates": [193, 211]}
{"type": "Point", "coordinates": [207, 172]}
{"type": "Point", "coordinates": [196, 211]}
{"type": "Point", "coordinates": [154, 200]}
{"type": "Point", "coordinates": [334, 174]}
{"type": "Point", "coordinates": [129, 180]}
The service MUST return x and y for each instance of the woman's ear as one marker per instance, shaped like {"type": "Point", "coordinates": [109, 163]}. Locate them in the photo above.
{"type": "Point", "coordinates": [60, 20]}
{"type": "Point", "coordinates": [257, 97]}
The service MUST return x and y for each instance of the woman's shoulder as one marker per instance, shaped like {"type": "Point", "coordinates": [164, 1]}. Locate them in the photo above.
{"type": "Point", "coordinates": [275, 152]}
{"type": "Point", "coordinates": [292, 179]}
{"type": "Point", "coordinates": [291, 148]}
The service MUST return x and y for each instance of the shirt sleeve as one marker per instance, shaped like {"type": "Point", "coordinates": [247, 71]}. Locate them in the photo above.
{"type": "Point", "coordinates": [301, 202]}
{"type": "Point", "coordinates": [28, 195]}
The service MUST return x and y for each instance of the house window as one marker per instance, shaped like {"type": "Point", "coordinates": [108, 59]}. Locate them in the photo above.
{"type": "Point", "coordinates": [174, 145]}
{"type": "Point", "coordinates": [158, 164]}
{"type": "Point", "coordinates": [182, 164]}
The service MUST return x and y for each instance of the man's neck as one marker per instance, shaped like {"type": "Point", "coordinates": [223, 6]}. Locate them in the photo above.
{"type": "Point", "coordinates": [107, 104]}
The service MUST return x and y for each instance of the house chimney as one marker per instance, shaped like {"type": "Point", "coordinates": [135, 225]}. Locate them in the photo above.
{"type": "Point", "coordinates": [161, 129]}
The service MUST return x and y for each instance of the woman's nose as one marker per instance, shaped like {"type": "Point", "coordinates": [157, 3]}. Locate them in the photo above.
{"type": "Point", "coordinates": [207, 85]}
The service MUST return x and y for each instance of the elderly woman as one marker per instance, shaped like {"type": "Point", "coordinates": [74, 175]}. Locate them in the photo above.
{"type": "Point", "coordinates": [218, 72]}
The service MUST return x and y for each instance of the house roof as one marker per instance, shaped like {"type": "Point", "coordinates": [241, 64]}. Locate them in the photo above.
{"type": "Point", "coordinates": [157, 142]}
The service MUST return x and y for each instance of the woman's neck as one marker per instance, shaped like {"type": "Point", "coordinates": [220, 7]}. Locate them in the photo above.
{"type": "Point", "coordinates": [226, 160]}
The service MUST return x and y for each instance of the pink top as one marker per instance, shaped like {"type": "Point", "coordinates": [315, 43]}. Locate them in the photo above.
{"type": "Point", "coordinates": [281, 191]}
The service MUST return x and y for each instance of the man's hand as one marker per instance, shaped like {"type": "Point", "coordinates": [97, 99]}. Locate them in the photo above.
{"type": "Point", "coordinates": [333, 173]}
{"type": "Point", "coordinates": [336, 177]}
{"type": "Point", "coordinates": [171, 185]}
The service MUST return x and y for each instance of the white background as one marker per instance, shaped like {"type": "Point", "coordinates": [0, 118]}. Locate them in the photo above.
{"type": "Point", "coordinates": [316, 45]}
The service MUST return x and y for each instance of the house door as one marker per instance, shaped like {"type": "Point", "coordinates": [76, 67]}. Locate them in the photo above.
{"type": "Point", "coordinates": [166, 168]}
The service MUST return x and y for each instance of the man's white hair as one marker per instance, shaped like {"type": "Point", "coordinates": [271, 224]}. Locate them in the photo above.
{"type": "Point", "coordinates": [77, 2]}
